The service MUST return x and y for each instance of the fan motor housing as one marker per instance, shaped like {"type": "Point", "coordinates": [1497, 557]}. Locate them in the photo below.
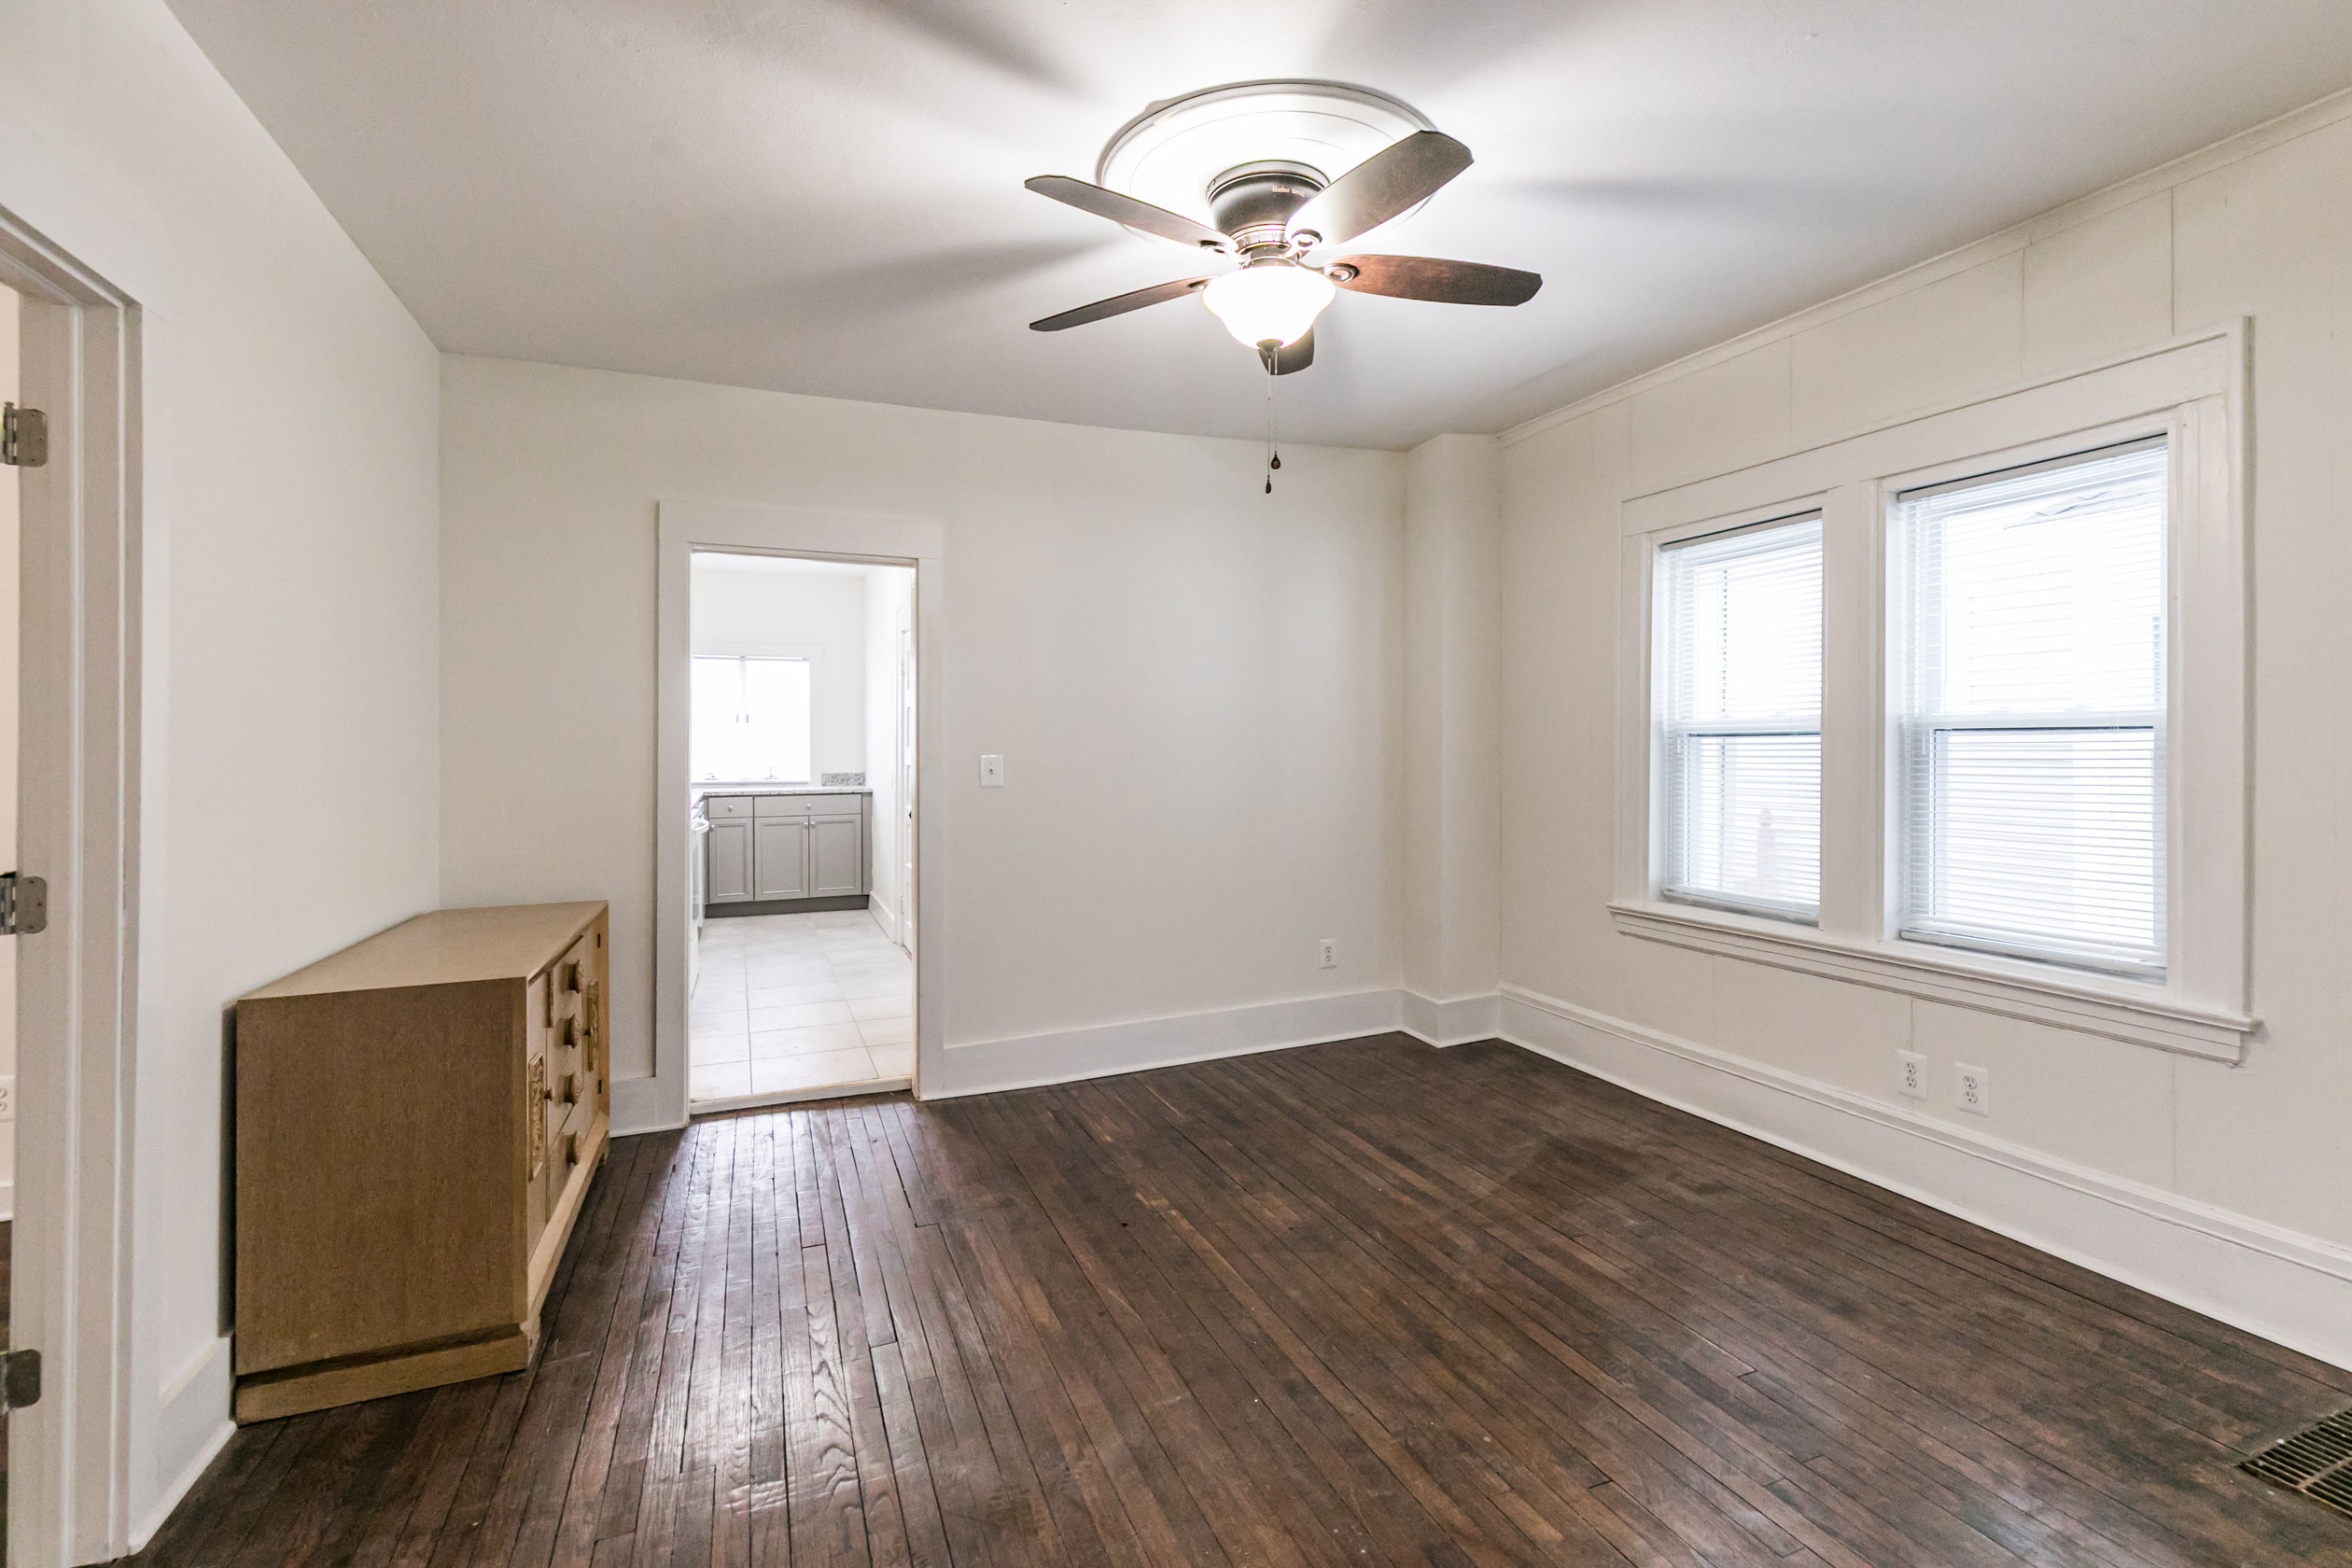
{"type": "Point", "coordinates": [1254, 202]}
{"type": "Point", "coordinates": [1184, 153]}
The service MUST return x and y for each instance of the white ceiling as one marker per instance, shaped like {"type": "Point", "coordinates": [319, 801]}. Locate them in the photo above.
{"type": "Point", "coordinates": [825, 195]}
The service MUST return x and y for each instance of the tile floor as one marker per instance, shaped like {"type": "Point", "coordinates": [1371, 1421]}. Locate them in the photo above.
{"type": "Point", "coordinates": [787, 1003]}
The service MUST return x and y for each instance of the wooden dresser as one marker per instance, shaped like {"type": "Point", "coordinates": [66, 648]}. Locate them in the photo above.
{"type": "Point", "coordinates": [418, 1119]}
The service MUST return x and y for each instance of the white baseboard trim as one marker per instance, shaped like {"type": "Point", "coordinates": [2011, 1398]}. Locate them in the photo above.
{"type": "Point", "coordinates": [192, 1428]}
{"type": "Point", "coordinates": [7, 1200]}
{"type": "Point", "coordinates": [1029, 1061]}
{"type": "Point", "coordinates": [1456, 1021]}
{"type": "Point", "coordinates": [637, 1106]}
{"type": "Point", "coordinates": [2293, 1289]}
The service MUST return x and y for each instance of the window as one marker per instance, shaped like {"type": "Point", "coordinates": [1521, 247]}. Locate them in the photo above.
{"type": "Point", "coordinates": [2006, 759]}
{"type": "Point", "coordinates": [1738, 623]}
{"type": "Point", "coordinates": [751, 721]}
{"type": "Point", "coordinates": [2028, 612]}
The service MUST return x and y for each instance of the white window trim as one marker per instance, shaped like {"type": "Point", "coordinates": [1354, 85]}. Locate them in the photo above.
{"type": "Point", "coordinates": [2193, 390]}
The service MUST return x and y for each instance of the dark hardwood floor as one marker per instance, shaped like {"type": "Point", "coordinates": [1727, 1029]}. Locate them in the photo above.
{"type": "Point", "coordinates": [7, 1281]}
{"type": "Point", "coordinates": [1367, 1303]}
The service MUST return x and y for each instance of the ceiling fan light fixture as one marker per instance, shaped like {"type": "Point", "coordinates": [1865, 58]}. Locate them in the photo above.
{"type": "Point", "coordinates": [1271, 301]}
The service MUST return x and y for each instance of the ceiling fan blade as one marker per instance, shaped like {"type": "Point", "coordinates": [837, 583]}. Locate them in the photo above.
{"type": "Point", "coordinates": [1399, 177]}
{"type": "Point", "coordinates": [1119, 305]}
{"type": "Point", "coordinates": [1447, 283]}
{"type": "Point", "coordinates": [1127, 210]}
{"type": "Point", "coordinates": [1298, 356]}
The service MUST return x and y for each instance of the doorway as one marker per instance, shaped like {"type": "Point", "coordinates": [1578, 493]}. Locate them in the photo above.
{"type": "Point", "coordinates": [78, 630]}
{"type": "Point", "coordinates": [800, 970]}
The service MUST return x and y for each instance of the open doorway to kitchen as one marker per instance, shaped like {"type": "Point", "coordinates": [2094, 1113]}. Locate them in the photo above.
{"type": "Point", "coordinates": [801, 702]}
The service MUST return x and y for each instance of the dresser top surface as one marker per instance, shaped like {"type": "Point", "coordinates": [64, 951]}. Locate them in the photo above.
{"type": "Point", "coordinates": [446, 947]}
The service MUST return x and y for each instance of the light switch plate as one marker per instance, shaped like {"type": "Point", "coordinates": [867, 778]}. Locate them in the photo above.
{"type": "Point", "coordinates": [991, 771]}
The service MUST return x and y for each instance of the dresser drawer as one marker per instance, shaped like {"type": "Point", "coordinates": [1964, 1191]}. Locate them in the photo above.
{"type": "Point", "coordinates": [570, 977]}
{"type": "Point", "coordinates": [583, 1117]}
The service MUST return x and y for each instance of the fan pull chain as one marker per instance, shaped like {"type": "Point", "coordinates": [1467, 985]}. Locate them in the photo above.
{"type": "Point", "coordinates": [1273, 458]}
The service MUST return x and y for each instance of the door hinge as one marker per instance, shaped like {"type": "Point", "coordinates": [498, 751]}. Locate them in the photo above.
{"type": "Point", "coordinates": [23, 436]}
{"type": "Point", "coordinates": [23, 904]}
{"type": "Point", "coordinates": [20, 1379]}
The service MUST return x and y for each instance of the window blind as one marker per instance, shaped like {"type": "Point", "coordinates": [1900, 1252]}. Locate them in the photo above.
{"type": "Point", "coordinates": [2030, 621]}
{"type": "Point", "coordinates": [1738, 701]}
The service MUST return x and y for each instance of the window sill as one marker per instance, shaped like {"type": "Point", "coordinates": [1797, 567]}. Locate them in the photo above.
{"type": "Point", "coordinates": [2118, 1009]}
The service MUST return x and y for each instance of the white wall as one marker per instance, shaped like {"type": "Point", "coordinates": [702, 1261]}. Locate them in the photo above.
{"type": "Point", "coordinates": [1193, 685]}
{"type": "Point", "coordinates": [1453, 677]}
{"type": "Point", "coordinates": [2261, 229]}
{"type": "Point", "coordinates": [290, 502]}
{"type": "Point", "coordinates": [889, 599]}
{"type": "Point", "coordinates": [821, 614]}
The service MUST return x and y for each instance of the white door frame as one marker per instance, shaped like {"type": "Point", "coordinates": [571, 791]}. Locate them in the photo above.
{"type": "Point", "coordinates": [904, 749]}
{"type": "Point", "coordinates": [640, 1104]}
{"type": "Point", "coordinates": [79, 767]}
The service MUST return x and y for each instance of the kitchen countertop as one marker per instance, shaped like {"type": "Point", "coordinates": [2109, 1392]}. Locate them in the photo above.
{"type": "Point", "coordinates": [702, 790]}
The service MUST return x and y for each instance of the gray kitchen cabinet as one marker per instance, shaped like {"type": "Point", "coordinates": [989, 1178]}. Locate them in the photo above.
{"type": "Point", "coordinates": [836, 854]}
{"type": "Point", "coordinates": [728, 866]}
{"type": "Point", "coordinates": [780, 857]}
{"type": "Point", "coordinates": [784, 846]}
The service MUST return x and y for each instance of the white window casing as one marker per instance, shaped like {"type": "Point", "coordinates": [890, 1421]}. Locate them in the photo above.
{"type": "Point", "coordinates": [2172, 976]}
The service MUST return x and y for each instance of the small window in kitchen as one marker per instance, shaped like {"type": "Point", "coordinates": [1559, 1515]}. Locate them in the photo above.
{"type": "Point", "coordinates": [753, 719]}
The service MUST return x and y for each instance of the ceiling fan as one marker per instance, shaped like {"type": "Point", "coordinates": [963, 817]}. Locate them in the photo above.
{"type": "Point", "coordinates": [1273, 215]}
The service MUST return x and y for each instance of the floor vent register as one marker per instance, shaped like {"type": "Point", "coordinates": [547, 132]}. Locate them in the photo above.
{"type": "Point", "coordinates": [2315, 1461]}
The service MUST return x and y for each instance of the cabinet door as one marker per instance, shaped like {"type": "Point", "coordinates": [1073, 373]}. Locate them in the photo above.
{"type": "Point", "coordinates": [728, 848]}
{"type": "Point", "coordinates": [836, 854]}
{"type": "Point", "coordinates": [780, 867]}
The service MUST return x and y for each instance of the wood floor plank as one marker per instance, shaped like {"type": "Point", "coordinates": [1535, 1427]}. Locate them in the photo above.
{"type": "Point", "coordinates": [1356, 1304]}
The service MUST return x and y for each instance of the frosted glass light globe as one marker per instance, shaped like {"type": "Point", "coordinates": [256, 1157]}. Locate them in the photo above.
{"type": "Point", "coordinates": [1276, 302]}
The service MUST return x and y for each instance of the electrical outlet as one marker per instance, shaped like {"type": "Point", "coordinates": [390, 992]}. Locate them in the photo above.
{"type": "Point", "coordinates": [1972, 1089]}
{"type": "Point", "coordinates": [1910, 1076]}
{"type": "Point", "coordinates": [993, 771]}
{"type": "Point", "coordinates": [8, 1097]}
{"type": "Point", "coordinates": [1327, 952]}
